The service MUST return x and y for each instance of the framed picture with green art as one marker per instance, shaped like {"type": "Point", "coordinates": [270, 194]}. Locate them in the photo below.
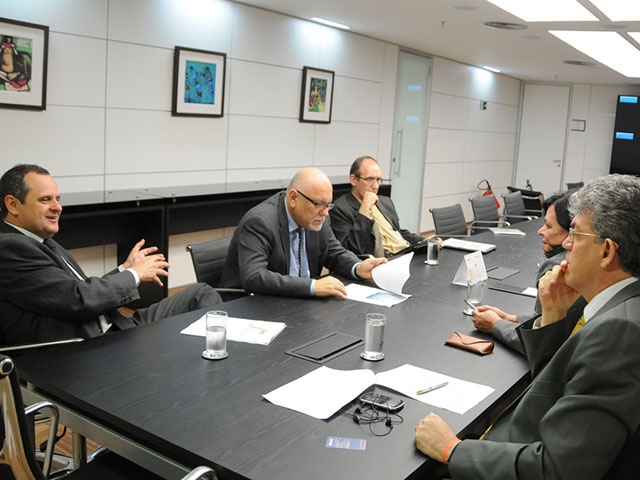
{"type": "Point", "coordinates": [198, 83]}
{"type": "Point", "coordinates": [23, 64]}
{"type": "Point", "coordinates": [317, 95]}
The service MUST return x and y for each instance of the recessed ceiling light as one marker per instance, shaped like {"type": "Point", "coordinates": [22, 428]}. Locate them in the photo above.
{"type": "Point", "coordinates": [330, 23]}
{"type": "Point", "coordinates": [491, 69]}
{"type": "Point", "coordinates": [613, 26]}
{"type": "Point", "coordinates": [467, 8]}
{"type": "Point", "coordinates": [505, 25]}
{"type": "Point", "coordinates": [619, 10]}
{"type": "Point", "coordinates": [546, 10]}
{"type": "Point", "coordinates": [531, 37]}
{"type": "Point", "coordinates": [608, 48]}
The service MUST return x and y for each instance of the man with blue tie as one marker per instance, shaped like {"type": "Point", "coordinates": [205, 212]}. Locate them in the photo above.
{"type": "Point", "coordinates": [45, 295]}
{"type": "Point", "coordinates": [281, 244]}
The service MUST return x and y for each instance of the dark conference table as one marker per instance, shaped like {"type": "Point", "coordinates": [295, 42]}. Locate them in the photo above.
{"type": "Point", "coordinates": [147, 394]}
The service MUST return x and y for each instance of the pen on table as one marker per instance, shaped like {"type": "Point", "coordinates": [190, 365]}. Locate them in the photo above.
{"type": "Point", "coordinates": [431, 389]}
{"type": "Point", "coordinates": [471, 305]}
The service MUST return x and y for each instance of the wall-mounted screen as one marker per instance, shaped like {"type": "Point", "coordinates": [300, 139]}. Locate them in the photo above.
{"type": "Point", "coordinates": [625, 155]}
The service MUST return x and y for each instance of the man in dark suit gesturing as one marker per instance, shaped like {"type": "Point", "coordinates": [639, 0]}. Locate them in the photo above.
{"type": "Point", "coordinates": [45, 295]}
{"type": "Point", "coordinates": [281, 245]}
{"type": "Point", "coordinates": [365, 223]}
{"type": "Point", "coordinates": [579, 417]}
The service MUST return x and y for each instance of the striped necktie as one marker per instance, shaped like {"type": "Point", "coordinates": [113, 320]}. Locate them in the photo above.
{"type": "Point", "coordinates": [300, 240]}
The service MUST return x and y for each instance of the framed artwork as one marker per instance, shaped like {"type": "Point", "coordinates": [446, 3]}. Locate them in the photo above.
{"type": "Point", "coordinates": [23, 64]}
{"type": "Point", "coordinates": [198, 83]}
{"type": "Point", "coordinates": [317, 95]}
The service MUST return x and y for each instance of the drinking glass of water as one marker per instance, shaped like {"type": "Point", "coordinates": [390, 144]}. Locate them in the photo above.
{"type": "Point", "coordinates": [475, 293]}
{"type": "Point", "coordinates": [375, 324]}
{"type": "Point", "coordinates": [433, 248]}
{"type": "Point", "coordinates": [216, 337]}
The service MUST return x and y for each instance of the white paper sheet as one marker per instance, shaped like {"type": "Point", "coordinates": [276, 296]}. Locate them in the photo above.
{"type": "Point", "coordinates": [375, 296]}
{"type": "Point", "coordinates": [323, 392]}
{"type": "Point", "coordinates": [393, 275]}
{"type": "Point", "coordinates": [458, 396]}
{"type": "Point", "coordinates": [530, 292]}
{"type": "Point", "coordinates": [241, 330]}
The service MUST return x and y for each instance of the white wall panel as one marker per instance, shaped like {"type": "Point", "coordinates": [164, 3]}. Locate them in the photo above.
{"type": "Point", "coordinates": [598, 155]}
{"type": "Point", "coordinates": [442, 178]}
{"type": "Point", "coordinates": [291, 42]}
{"type": "Point", "coordinates": [426, 219]}
{"type": "Point", "coordinates": [356, 100]}
{"type": "Point", "coordinates": [139, 76]}
{"type": "Point", "coordinates": [489, 146]}
{"type": "Point", "coordinates": [96, 261]}
{"type": "Point", "coordinates": [260, 89]}
{"type": "Point", "coordinates": [78, 183]}
{"type": "Point", "coordinates": [76, 70]}
{"type": "Point", "coordinates": [65, 140]}
{"type": "Point", "coordinates": [205, 24]}
{"type": "Point", "coordinates": [147, 141]}
{"type": "Point", "coordinates": [445, 145]}
{"type": "Point", "coordinates": [472, 82]}
{"type": "Point", "coordinates": [498, 174]}
{"type": "Point", "coordinates": [352, 55]}
{"type": "Point", "coordinates": [340, 143]}
{"type": "Point", "coordinates": [496, 118]}
{"type": "Point", "coordinates": [269, 142]}
{"type": "Point", "coordinates": [79, 17]}
{"type": "Point", "coordinates": [446, 111]}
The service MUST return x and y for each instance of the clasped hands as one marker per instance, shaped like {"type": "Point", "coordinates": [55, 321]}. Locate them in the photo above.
{"type": "Point", "coordinates": [149, 266]}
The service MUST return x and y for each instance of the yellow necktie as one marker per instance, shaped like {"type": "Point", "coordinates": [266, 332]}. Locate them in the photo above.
{"type": "Point", "coordinates": [579, 325]}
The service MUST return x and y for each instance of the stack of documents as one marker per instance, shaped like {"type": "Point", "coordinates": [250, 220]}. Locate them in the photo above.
{"type": "Point", "coordinates": [390, 277]}
{"type": "Point", "coordinates": [468, 245]}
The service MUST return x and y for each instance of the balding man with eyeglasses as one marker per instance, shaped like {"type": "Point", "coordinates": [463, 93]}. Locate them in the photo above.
{"type": "Point", "coordinates": [365, 223]}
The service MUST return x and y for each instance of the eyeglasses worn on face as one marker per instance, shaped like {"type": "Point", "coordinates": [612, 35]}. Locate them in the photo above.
{"type": "Point", "coordinates": [318, 205]}
{"type": "Point", "coordinates": [370, 180]}
{"type": "Point", "coordinates": [573, 233]}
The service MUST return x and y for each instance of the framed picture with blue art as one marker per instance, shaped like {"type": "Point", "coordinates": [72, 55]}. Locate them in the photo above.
{"type": "Point", "coordinates": [23, 64]}
{"type": "Point", "coordinates": [198, 83]}
{"type": "Point", "coordinates": [317, 95]}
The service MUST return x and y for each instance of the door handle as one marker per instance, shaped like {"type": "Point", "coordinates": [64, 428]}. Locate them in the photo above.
{"type": "Point", "coordinates": [398, 159]}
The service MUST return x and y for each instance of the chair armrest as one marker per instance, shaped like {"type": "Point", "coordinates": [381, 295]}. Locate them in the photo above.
{"type": "Point", "coordinates": [454, 236]}
{"type": "Point", "coordinates": [201, 472]}
{"type": "Point", "coordinates": [54, 415]}
{"type": "Point", "coordinates": [537, 213]}
{"type": "Point", "coordinates": [26, 346]}
{"type": "Point", "coordinates": [526, 217]}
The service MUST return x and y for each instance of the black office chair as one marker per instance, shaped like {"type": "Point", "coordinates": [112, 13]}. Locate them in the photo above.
{"type": "Point", "coordinates": [574, 185]}
{"type": "Point", "coordinates": [450, 222]}
{"type": "Point", "coordinates": [18, 460]}
{"type": "Point", "coordinates": [208, 262]}
{"type": "Point", "coordinates": [533, 199]}
{"type": "Point", "coordinates": [514, 208]}
{"type": "Point", "coordinates": [485, 212]}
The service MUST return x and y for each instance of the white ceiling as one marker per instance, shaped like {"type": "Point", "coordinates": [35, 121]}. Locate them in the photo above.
{"type": "Point", "coordinates": [454, 29]}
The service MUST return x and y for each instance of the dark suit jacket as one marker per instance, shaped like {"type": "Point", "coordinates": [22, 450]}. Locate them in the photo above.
{"type": "Point", "coordinates": [355, 231]}
{"type": "Point", "coordinates": [41, 299]}
{"type": "Point", "coordinates": [258, 257]}
{"type": "Point", "coordinates": [580, 408]}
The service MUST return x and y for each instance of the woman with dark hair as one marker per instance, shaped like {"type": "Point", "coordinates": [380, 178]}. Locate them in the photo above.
{"type": "Point", "coordinates": [557, 221]}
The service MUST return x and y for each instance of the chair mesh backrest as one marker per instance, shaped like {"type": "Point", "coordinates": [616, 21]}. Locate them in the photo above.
{"type": "Point", "coordinates": [209, 258]}
{"type": "Point", "coordinates": [16, 452]}
{"type": "Point", "coordinates": [485, 208]}
{"type": "Point", "coordinates": [513, 204]}
{"type": "Point", "coordinates": [449, 220]}
{"type": "Point", "coordinates": [532, 199]}
{"type": "Point", "coordinates": [575, 186]}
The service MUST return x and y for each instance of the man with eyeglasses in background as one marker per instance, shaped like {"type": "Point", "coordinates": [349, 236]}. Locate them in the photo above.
{"type": "Point", "coordinates": [579, 417]}
{"type": "Point", "coordinates": [365, 223]}
{"type": "Point", "coordinates": [281, 244]}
